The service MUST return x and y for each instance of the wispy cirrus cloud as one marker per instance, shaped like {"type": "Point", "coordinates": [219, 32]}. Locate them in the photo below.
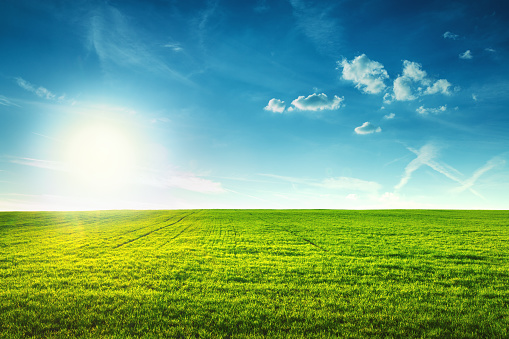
{"type": "Point", "coordinates": [318, 25]}
{"type": "Point", "coordinates": [173, 178]}
{"type": "Point", "coordinates": [333, 183]}
{"type": "Point", "coordinates": [467, 184]}
{"type": "Point", "coordinates": [367, 75]}
{"type": "Point", "coordinates": [38, 90]}
{"type": "Point", "coordinates": [112, 37]}
{"type": "Point", "coordinates": [174, 47]}
{"type": "Point", "coordinates": [426, 156]}
{"type": "Point", "coordinates": [39, 163]}
{"type": "Point", "coordinates": [4, 101]}
{"type": "Point", "coordinates": [449, 35]}
{"type": "Point", "coordinates": [43, 92]}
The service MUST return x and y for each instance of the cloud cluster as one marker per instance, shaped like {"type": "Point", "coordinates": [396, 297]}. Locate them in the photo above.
{"type": "Point", "coordinates": [366, 74]}
{"type": "Point", "coordinates": [414, 82]}
{"type": "Point", "coordinates": [369, 76]}
{"type": "Point", "coordinates": [314, 102]}
{"type": "Point", "coordinates": [368, 128]}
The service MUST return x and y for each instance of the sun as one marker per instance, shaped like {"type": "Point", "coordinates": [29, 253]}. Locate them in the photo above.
{"type": "Point", "coordinates": [101, 155]}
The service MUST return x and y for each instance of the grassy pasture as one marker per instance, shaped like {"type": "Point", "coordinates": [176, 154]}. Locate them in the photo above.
{"type": "Point", "coordinates": [254, 273]}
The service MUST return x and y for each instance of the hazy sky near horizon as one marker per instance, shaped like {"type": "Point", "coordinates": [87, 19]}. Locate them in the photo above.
{"type": "Point", "coordinates": [254, 104]}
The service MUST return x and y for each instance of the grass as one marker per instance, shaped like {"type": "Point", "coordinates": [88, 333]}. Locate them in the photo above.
{"type": "Point", "coordinates": [255, 274]}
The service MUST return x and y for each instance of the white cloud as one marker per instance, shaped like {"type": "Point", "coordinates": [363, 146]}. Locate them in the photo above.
{"type": "Point", "coordinates": [25, 84]}
{"type": "Point", "coordinates": [367, 128]}
{"type": "Point", "coordinates": [449, 35]}
{"type": "Point", "coordinates": [174, 47]}
{"type": "Point", "coordinates": [425, 111]}
{"type": "Point", "coordinates": [474, 97]}
{"type": "Point", "coordinates": [275, 105]}
{"type": "Point", "coordinates": [368, 75]}
{"type": "Point", "coordinates": [491, 50]}
{"type": "Point", "coordinates": [415, 82]}
{"type": "Point", "coordinates": [44, 93]}
{"type": "Point", "coordinates": [467, 184]}
{"type": "Point", "coordinates": [440, 86]}
{"type": "Point", "coordinates": [467, 55]}
{"type": "Point", "coordinates": [426, 156]}
{"type": "Point", "coordinates": [317, 102]}
{"type": "Point", "coordinates": [39, 91]}
{"type": "Point", "coordinates": [389, 116]}
{"type": "Point", "coordinates": [412, 70]}
{"type": "Point", "coordinates": [388, 98]}
{"type": "Point", "coordinates": [403, 89]}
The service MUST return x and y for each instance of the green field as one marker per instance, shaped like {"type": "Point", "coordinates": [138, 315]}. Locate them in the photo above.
{"type": "Point", "coordinates": [254, 273]}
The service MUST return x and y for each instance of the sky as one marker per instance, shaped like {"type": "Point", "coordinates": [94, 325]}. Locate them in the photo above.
{"type": "Point", "coordinates": [168, 104]}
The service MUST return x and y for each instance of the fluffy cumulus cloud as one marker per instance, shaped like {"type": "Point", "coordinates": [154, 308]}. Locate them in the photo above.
{"type": "Point", "coordinates": [317, 102]}
{"type": "Point", "coordinates": [367, 128]}
{"type": "Point", "coordinates": [389, 116]}
{"type": "Point", "coordinates": [366, 74]}
{"type": "Point", "coordinates": [441, 86]}
{"type": "Point", "coordinates": [426, 111]}
{"type": "Point", "coordinates": [414, 82]}
{"type": "Point", "coordinates": [276, 106]}
{"type": "Point", "coordinates": [449, 35]}
{"type": "Point", "coordinates": [467, 55]}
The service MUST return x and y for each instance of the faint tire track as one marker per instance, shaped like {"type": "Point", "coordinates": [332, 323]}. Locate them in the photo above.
{"type": "Point", "coordinates": [158, 229]}
{"type": "Point", "coordinates": [291, 232]}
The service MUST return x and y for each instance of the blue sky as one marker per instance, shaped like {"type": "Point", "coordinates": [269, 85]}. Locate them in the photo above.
{"type": "Point", "coordinates": [254, 104]}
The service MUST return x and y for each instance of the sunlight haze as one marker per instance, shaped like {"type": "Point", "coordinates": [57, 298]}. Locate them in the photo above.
{"type": "Point", "coordinates": [254, 104]}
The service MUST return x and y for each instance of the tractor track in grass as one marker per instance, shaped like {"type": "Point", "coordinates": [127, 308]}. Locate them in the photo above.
{"type": "Point", "coordinates": [158, 229]}
{"type": "Point", "coordinates": [291, 232]}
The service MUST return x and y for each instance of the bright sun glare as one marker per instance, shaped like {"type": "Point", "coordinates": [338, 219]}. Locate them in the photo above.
{"type": "Point", "coordinates": [100, 155]}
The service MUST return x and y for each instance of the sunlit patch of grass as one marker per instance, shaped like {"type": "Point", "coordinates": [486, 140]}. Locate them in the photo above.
{"type": "Point", "coordinates": [236, 274]}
